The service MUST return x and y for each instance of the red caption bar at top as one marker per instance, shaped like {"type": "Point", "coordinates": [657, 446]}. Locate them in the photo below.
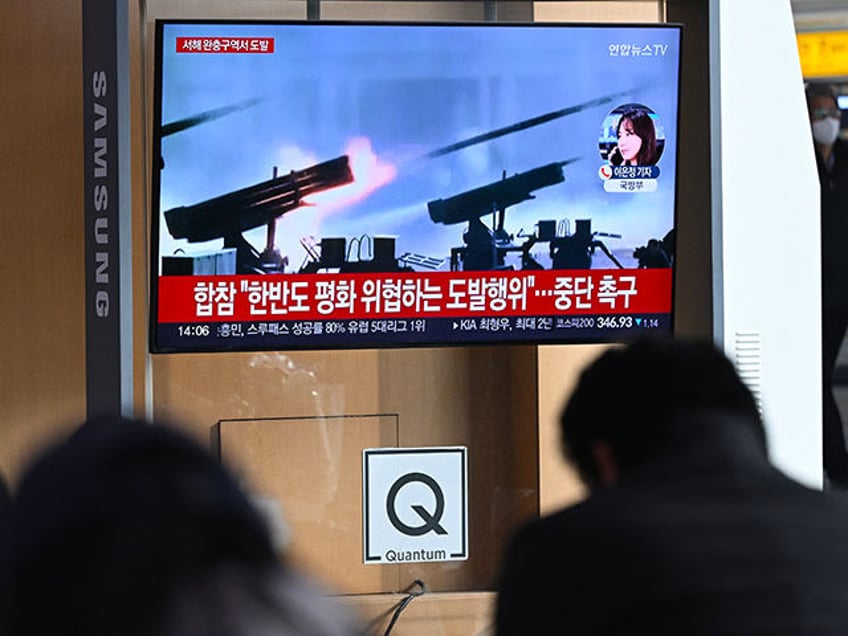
{"type": "Point", "coordinates": [224, 45]}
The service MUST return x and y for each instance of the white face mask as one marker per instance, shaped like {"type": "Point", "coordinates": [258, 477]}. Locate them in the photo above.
{"type": "Point", "coordinates": [825, 131]}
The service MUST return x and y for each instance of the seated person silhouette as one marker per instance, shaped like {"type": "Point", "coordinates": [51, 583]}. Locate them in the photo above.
{"type": "Point", "coordinates": [687, 529]}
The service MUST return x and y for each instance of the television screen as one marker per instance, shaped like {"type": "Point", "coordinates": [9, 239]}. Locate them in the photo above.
{"type": "Point", "coordinates": [346, 185]}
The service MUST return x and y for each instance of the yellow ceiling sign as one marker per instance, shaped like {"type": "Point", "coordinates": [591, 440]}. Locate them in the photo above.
{"type": "Point", "coordinates": [823, 54]}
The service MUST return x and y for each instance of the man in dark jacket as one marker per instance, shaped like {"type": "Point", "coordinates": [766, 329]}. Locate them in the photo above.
{"type": "Point", "coordinates": [688, 529]}
{"type": "Point", "coordinates": [832, 164]}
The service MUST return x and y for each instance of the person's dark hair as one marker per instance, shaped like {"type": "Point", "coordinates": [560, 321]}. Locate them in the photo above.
{"type": "Point", "coordinates": [636, 398]}
{"type": "Point", "coordinates": [818, 89]}
{"type": "Point", "coordinates": [644, 127]}
{"type": "Point", "coordinates": [110, 523]}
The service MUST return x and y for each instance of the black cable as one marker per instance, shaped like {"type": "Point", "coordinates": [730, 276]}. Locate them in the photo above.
{"type": "Point", "coordinates": [402, 605]}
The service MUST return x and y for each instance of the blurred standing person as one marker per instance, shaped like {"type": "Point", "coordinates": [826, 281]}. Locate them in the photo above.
{"type": "Point", "coordinates": [832, 164]}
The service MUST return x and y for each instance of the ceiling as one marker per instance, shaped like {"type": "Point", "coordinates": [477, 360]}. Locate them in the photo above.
{"type": "Point", "coordinates": [816, 15]}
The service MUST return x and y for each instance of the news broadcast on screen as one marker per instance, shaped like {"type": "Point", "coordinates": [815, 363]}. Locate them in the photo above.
{"type": "Point", "coordinates": [361, 184]}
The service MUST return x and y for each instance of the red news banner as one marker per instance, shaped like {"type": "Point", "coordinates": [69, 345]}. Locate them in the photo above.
{"type": "Point", "coordinates": [224, 45]}
{"type": "Point", "coordinates": [184, 299]}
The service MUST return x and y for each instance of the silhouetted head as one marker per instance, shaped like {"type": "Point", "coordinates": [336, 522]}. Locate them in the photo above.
{"type": "Point", "coordinates": [825, 115]}
{"type": "Point", "coordinates": [636, 400]}
{"type": "Point", "coordinates": [109, 524]}
{"type": "Point", "coordinates": [818, 90]}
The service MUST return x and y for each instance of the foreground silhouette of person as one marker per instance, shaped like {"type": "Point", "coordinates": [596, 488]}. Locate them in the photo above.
{"type": "Point", "coordinates": [687, 529]}
{"type": "Point", "coordinates": [5, 498]}
{"type": "Point", "coordinates": [5, 511]}
{"type": "Point", "coordinates": [132, 529]}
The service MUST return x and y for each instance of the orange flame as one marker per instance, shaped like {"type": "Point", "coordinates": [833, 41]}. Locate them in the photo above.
{"type": "Point", "coordinates": [369, 174]}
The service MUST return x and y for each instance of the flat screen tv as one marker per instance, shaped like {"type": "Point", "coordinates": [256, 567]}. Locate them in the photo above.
{"type": "Point", "coordinates": [349, 184]}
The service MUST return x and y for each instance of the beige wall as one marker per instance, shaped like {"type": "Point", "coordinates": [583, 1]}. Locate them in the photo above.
{"type": "Point", "coordinates": [598, 11]}
{"type": "Point", "coordinates": [42, 386]}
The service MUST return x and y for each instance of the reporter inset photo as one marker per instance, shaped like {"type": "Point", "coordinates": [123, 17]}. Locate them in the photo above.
{"type": "Point", "coordinates": [631, 135]}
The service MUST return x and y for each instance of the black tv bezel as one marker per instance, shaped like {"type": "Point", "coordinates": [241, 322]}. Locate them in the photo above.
{"type": "Point", "coordinates": [155, 213]}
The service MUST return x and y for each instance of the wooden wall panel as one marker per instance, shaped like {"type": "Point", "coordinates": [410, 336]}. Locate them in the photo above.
{"type": "Point", "coordinates": [439, 614]}
{"type": "Point", "coordinates": [480, 397]}
{"type": "Point", "coordinates": [599, 11]}
{"type": "Point", "coordinates": [392, 10]}
{"type": "Point", "coordinates": [197, 390]}
{"type": "Point", "coordinates": [559, 369]}
{"type": "Point", "coordinates": [42, 388]}
{"type": "Point", "coordinates": [277, 9]}
{"type": "Point", "coordinates": [310, 470]}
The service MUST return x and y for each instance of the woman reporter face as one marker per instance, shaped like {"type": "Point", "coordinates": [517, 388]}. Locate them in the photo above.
{"type": "Point", "coordinates": [629, 143]}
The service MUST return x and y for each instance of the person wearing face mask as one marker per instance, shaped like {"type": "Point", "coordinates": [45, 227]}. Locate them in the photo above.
{"type": "Point", "coordinates": [832, 162]}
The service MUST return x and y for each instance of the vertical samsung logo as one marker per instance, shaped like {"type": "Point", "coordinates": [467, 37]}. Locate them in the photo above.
{"type": "Point", "coordinates": [100, 166]}
{"type": "Point", "coordinates": [101, 196]}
